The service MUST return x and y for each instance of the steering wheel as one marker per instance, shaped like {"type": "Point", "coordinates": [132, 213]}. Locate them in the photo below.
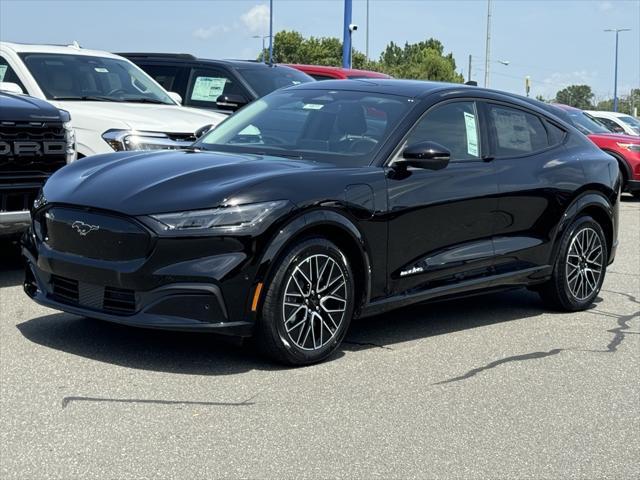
{"type": "Point", "coordinates": [117, 90]}
{"type": "Point", "coordinates": [366, 142]}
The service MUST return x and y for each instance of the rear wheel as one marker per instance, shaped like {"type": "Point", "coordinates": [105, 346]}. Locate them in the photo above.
{"type": "Point", "coordinates": [308, 305]}
{"type": "Point", "coordinates": [579, 268]}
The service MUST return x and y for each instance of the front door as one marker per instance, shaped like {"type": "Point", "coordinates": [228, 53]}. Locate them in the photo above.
{"type": "Point", "coordinates": [440, 224]}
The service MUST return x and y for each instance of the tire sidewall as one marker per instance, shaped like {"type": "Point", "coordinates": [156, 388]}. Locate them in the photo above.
{"type": "Point", "coordinates": [567, 297]}
{"type": "Point", "coordinates": [272, 316]}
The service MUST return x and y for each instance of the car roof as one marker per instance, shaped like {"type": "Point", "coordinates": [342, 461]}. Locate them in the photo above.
{"type": "Point", "coordinates": [605, 114]}
{"type": "Point", "coordinates": [186, 57]}
{"type": "Point", "coordinates": [60, 49]}
{"type": "Point", "coordinates": [407, 88]}
{"type": "Point", "coordinates": [346, 71]}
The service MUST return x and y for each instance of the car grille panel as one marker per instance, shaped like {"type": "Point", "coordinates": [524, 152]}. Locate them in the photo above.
{"type": "Point", "coordinates": [96, 297]}
{"type": "Point", "coordinates": [32, 161]}
{"type": "Point", "coordinates": [94, 235]}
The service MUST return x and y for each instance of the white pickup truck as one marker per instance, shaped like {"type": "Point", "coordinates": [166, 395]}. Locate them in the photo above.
{"type": "Point", "coordinates": [113, 103]}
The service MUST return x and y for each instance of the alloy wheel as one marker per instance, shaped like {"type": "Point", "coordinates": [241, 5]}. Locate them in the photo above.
{"type": "Point", "coordinates": [315, 301]}
{"type": "Point", "coordinates": [584, 264]}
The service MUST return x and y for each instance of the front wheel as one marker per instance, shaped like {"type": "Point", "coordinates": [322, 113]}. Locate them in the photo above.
{"type": "Point", "coordinates": [579, 269]}
{"type": "Point", "coordinates": [308, 305]}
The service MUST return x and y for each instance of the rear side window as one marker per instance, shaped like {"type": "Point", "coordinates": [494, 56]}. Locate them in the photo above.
{"type": "Point", "coordinates": [517, 132]}
{"type": "Point", "coordinates": [165, 75]}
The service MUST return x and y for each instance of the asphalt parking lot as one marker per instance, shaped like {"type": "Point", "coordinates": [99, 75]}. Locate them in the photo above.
{"type": "Point", "coordinates": [486, 387]}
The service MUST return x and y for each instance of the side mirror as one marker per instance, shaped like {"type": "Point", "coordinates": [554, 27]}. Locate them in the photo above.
{"type": "Point", "coordinates": [11, 87]}
{"type": "Point", "coordinates": [175, 97]}
{"type": "Point", "coordinates": [427, 155]}
{"type": "Point", "coordinates": [231, 101]}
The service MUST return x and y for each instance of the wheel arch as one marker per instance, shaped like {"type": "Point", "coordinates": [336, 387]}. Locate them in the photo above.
{"type": "Point", "coordinates": [624, 167]}
{"type": "Point", "coordinates": [336, 228]}
{"type": "Point", "coordinates": [594, 203]}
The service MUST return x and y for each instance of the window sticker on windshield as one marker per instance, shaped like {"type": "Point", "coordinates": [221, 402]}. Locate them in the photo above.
{"type": "Point", "coordinates": [3, 72]}
{"type": "Point", "coordinates": [101, 70]}
{"type": "Point", "coordinates": [472, 134]}
{"type": "Point", "coordinates": [313, 106]}
{"type": "Point", "coordinates": [208, 89]}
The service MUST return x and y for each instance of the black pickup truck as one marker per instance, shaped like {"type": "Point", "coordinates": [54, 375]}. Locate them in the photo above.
{"type": "Point", "coordinates": [36, 139]}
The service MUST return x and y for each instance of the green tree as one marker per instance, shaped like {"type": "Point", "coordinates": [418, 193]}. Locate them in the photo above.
{"type": "Point", "coordinates": [579, 96]}
{"type": "Point", "coordinates": [626, 103]}
{"type": "Point", "coordinates": [423, 60]}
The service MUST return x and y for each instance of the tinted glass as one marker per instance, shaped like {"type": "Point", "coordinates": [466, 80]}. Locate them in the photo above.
{"type": "Point", "coordinates": [585, 123]}
{"type": "Point", "coordinates": [84, 77]}
{"type": "Point", "coordinates": [264, 80]}
{"type": "Point", "coordinates": [7, 74]}
{"type": "Point", "coordinates": [610, 124]}
{"type": "Point", "coordinates": [165, 75]}
{"type": "Point", "coordinates": [318, 76]}
{"type": "Point", "coordinates": [208, 84]}
{"type": "Point", "coordinates": [339, 126]}
{"type": "Point", "coordinates": [556, 134]}
{"type": "Point", "coordinates": [516, 132]}
{"type": "Point", "coordinates": [452, 125]}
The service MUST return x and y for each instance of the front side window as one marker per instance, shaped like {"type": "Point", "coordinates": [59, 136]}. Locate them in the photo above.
{"type": "Point", "coordinates": [336, 126]}
{"type": "Point", "coordinates": [7, 74]}
{"type": "Point", "coordinates": [632, 122]}
{"type": "Point", "coordinates": [454, 126]}
{"type": "Point", "coordinates": [208, 85]}
{"type": "Point", "coordinates": [611, 125]}
{"type": "Point", "coordinates": [516, 132]}
{"type": "Point", "coordinates": [166, 75]}
{"type": "Point", "coordinates": [84, 77]}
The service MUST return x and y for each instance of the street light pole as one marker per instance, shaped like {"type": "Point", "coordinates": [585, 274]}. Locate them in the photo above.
{"type": "Point", "coordinates": [270, 31]}
{"type": "Point", "coordinates": [487, 55]}
{"type": "Point", "coordinates": [346, 35]}
{"type": "Point", "coordinates": [615, 71]}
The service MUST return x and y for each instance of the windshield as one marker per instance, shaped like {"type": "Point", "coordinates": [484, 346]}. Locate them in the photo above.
{"type": "Point", "coordinates": [264, 80]}
{"type": "Point", "coordinates": [339, 126]}
{"type": "Point", "coordinates": [585, 122]}
{"type": "Point", "coordinates": [633, 122]}
{"type": "Point", "coordinates": [83, 77]}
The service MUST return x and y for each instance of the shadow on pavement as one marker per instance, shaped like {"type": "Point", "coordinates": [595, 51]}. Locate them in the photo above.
{"type": "Point", "coordinates": [207, 354]}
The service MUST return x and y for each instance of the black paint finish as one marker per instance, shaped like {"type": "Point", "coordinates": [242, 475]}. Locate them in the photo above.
{"type": "Point", "coordinates": [410, 234]}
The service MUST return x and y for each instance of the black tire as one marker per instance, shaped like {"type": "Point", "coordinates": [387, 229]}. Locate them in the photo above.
{"type": "Point", "coordinates": [558, 292]}
{"type": "Point", "coordinates": [301, 259]}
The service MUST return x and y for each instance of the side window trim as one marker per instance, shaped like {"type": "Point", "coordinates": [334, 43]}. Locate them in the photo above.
{"type": "Point", "coordinates": [482, 147]}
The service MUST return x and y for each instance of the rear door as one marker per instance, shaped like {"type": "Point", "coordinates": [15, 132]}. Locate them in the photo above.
{"type": "Point", "coordinates": [534, 183]}
{"type": "Point", "coordinates": [440, 222]}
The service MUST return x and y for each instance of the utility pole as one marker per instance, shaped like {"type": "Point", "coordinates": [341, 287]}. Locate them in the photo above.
{"type": "Point", "coordinates": [367, 37]}
{"type": "Point", "coordinates": [487, 55]}
{"type": "Point", "coordinates": [615, 71]}
{"type": "Point", "coordinates": [346, 35]}
{"type": "Point", "coordinates": [270, 32]}
{"type": "Point", "coordinates": [469, 71]}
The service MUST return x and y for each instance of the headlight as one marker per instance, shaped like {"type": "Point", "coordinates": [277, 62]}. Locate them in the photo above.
{"type": "Point", "coordinates": [136, 140]}
{"type": "Point", "coordinates": [632, 147]}
{"type": "Point", "coordinates": [250, 218]}
{"type": "Point", "coordinates": [69, 136]}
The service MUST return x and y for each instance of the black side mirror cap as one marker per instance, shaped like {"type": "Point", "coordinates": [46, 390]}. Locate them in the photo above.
{"type": "Point", "coordinates": [231, 101]}
{"type": "Point", "coordinates": [427, 155]}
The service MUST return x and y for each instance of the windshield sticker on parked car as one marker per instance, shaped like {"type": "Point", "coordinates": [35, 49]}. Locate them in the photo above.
{"type": "Point", "coordinates": [208, 89]}
{"type": "Point", "coordinates": [101, 70]}
{"type": "Point", "coordinates": [313, 106]}
{"type": "Point", "coordinates": [472, 133]}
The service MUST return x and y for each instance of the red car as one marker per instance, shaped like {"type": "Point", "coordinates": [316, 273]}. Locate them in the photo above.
{"type": "Point", "coordinates": [625, 148]}
{"type": "Point", "coordinates": [320, 72]}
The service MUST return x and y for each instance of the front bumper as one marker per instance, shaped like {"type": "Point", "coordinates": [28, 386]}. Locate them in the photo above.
{"type": "Point", "coordinates": [14, 222]}
{"type": "Point", "coordinates": [187, 284]}
{"type": "Point", "coordinates": [632, 186]}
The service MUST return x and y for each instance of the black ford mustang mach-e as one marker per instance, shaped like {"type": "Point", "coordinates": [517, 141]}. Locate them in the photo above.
{"type": "Point", "coordinates": [326, 201]}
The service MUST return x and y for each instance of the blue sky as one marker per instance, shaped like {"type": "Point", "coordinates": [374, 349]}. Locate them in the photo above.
{"type": "Point", "coordinates": [556, 42]}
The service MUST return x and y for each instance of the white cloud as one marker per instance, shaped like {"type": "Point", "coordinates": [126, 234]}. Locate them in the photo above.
{"type": "Point", "coordinates": [204, 33]}
{"type": "Point", "coordinates": [605, 6]}
{"type": "Point", "coordinates": [559, 80]}
{"type": "Point", "coordinates": [256, 19]}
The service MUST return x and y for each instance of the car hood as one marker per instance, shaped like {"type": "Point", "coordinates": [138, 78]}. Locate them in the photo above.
{"type": "Point", "coordinates": [140, 183]}
{"type": "Point", "coordinates": [102, 116]}
{"type": "Point", "coordinates": [608, 137]}
{"type": "Point", "coordinates": [16, 108]}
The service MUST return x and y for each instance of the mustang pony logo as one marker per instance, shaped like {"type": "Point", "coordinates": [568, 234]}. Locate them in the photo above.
{"type": "Point", "coordinates": [83, 228]}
